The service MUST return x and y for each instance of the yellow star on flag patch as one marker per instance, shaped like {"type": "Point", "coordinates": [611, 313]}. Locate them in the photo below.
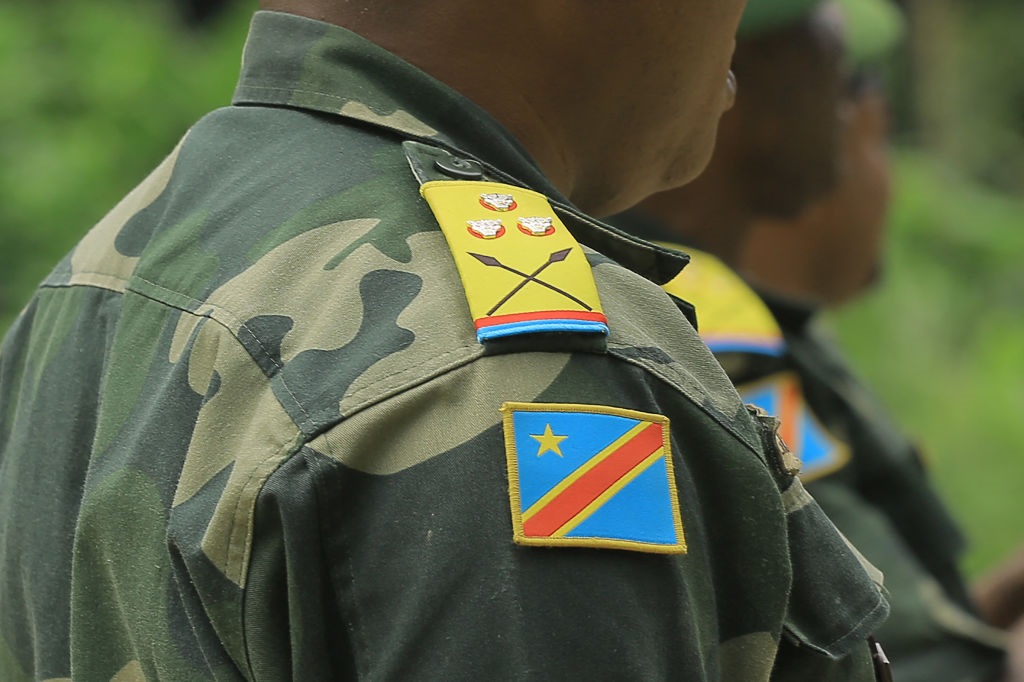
{"type": "Point", "coordinates": [612, 484]}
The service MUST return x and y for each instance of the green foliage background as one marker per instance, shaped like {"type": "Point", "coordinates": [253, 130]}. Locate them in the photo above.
{"type": "Point", "coordinates": [942, 343]}
{"type": "Point", "coordinates": [95, 94]}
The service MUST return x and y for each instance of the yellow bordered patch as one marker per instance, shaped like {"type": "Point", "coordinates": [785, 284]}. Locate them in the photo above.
{"type": "Point", "coordinates": [591, 476]}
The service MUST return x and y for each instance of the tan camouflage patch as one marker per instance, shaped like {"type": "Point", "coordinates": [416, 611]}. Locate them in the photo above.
{"type": "Point", "coordinates": [749, 657]}
{"type": "Point", "coordinates": [263, 446]}
{"type": "Point", "coordinates": [237, 300]}
{"type": "Point", "coordinates": [96, 261]}
{"type": "Point", "coordinates": [438, 317]}
{"type": "Point", "coordinates": [242, 425]}
{"type": "Point", "coordinates": [202, 357]}
{"type": "Point", "coordinates": [399, 120]}
{"type": "Point", "coordinates": [954, 619]}
{"type": "Point", "coordinates": [796, 497]}
{"type": "Point", "coordinates": [130, 673]}
{"type": "Point", "coordinates": [431, 419]}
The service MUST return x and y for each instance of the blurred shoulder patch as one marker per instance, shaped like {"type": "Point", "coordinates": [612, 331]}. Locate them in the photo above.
{"type": "Point", "coordinates": [731, 317]}
{"type": "Point", "coordinates": [522, 270]}
{"type": "Point", "coordinates": [820, 452]}
{"type": "Point", "coordinates": [591, 476]}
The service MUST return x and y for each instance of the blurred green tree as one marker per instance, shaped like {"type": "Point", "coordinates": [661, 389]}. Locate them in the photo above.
{"type": "Point", "coordinates": [95, 94]}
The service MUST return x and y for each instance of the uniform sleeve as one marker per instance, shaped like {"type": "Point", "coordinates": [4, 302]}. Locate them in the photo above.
{"type": "Point", "coordinates": [384, 548]}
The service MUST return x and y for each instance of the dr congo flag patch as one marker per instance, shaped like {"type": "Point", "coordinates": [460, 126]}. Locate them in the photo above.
{"type": "Point", "coordinates": [591, 476]}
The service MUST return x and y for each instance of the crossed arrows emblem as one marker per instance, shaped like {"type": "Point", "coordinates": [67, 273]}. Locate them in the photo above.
{"type": "Point", "coordinates": [556, 257]}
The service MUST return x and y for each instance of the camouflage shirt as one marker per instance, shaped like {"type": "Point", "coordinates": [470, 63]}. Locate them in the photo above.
{"type": "Point", "coordinates": [858, 466]}
{"type": "Point", "coordinates": [248, 431]}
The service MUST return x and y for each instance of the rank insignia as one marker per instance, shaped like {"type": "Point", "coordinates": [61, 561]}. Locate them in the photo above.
{"type": "Point", "coordinates": [536, 227]}
{"type": "Point", "coordinates": [486, 229]}
{"type": "Point", "coordinates": [497, 201]}
{"type": "Point", "coordinates": [591, 476]}
{"type": "Point", "coordinates": [819, 452]}
{"type": "Point", "coordinates": [515, 283]}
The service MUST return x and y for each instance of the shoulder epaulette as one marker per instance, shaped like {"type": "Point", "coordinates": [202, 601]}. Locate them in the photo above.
{"type": "Point", "coordinates": [732, 317]}
{"type": "Point", "coordinates": [522, 270]}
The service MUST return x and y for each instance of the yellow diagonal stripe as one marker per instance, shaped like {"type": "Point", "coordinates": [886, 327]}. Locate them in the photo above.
{"type": "Point", "coordinates": [587, 511]}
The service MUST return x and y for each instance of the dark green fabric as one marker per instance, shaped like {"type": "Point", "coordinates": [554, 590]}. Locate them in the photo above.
{"type": "Point", "coordinates": [248, 431]}
{"type": "Point", "coordinates": [881, 499]}
{"type": "Point", "coordinates": [884, 503]}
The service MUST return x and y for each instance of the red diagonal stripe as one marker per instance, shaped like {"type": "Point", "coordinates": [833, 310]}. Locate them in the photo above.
{"type": "Point", "coordinates": [590, 485]}
{"type": "Point", "coordinates": [541, 315]}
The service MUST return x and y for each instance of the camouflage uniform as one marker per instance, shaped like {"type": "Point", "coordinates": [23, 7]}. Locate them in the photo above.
{"type": "Point", "coordinates": [248, 431]}
{"type": "Point", "coordinates": [865, 475]}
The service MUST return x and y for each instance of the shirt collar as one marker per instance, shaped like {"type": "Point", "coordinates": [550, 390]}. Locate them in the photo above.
{"type": "Point", "coordinates": [293, 61]}
{"type": "Point", "coordinates": [307, 64]}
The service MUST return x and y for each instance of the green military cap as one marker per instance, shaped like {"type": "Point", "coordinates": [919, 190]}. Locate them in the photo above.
{"type": "Point", "coordinates": [872, 26]}
{"type": "Point", "coordinates": [762, 16]}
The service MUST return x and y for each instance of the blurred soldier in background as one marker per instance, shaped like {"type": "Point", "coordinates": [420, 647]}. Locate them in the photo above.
{"type": "Point", "coordinates": [794, 200]}
{"type": "Point", "coordinates": [350, 386]}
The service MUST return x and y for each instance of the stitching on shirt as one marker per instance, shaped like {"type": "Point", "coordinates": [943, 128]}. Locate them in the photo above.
{"type": "Point", "coordinates": [47, 284]}
{"type": "Point", "coordinates": [879, 604]}
{"type": "Point", "coordinates": [230, 318]}
{"type": "Point", "coordinates": [439, 368]}
{"type": "Point", "coordinates": [678, 387]}
{"type": "Point", "coordinates": [296, 91]}
{"type": "Point", "coordinates": [283, 453]}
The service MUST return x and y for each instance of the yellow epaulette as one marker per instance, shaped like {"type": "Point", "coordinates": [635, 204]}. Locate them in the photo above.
{"type": "Point", "coordinates": [522, 270]}
{"type": "Point", "coordinates": [731, 316]}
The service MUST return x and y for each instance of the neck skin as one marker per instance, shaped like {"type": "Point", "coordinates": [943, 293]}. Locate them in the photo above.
{"type": "Point", "coordinates": [470, 63]}
{"type": "Point", "coordinates": [613, 103]}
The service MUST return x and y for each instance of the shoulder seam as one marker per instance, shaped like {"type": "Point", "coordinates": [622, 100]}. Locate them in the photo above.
{"type": "Point", "coordinates": [225, 318]}
{"type": "Point", "coordinates": [718, 418]}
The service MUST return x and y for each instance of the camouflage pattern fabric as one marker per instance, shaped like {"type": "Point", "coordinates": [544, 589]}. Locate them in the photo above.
{"type": "Point", "coordinates": [876, 491]}
{"type": "Point", "coordinates": [247, 430]}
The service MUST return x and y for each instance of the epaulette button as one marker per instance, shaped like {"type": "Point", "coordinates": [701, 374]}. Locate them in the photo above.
{"type": "Point", "coordinates": [459, 168]}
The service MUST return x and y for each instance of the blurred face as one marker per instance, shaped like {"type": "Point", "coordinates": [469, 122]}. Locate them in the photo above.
{"type": "Point", "coordinates": [834, 249]}
{"type": "Point", "coordinates": [789, 115]}
{"type": "Point", "coordinates": [852, 228]}
{"type": "Point", "coordinates": [662, 68]}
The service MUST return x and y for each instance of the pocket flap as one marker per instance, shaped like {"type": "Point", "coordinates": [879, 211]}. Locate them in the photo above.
{"type": "Point", "coordinates": [837, 597]}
